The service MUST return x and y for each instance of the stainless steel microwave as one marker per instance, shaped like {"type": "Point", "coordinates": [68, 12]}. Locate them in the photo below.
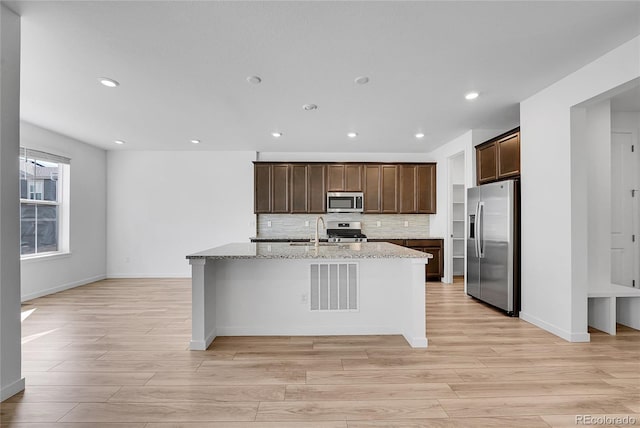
{"type": "Point", "coordinates": [345, 202]}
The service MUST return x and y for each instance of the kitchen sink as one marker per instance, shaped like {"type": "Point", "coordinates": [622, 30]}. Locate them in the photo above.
{"type": "Point", "coordinates": [313, 244]}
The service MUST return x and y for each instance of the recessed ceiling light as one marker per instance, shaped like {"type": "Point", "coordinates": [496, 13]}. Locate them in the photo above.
{"type": "Point", "coordinates": [362, 80]}
{"type": "Point", "coordinates": [109, 83]}
{"type": "Point", "coordinates": [352, 134]}
{"type": "Point", "coordinates": [471, 96]}
{"type": "Point", "coordinates": [420, 135]}
{"type": "Point", "coordinates": [309, 107]}
{"type": "Point", "coordinates": [276, 134]}
{"type": "Point", "coordinates": [119, 142]}
{"type": "Point", "coordinates": [254, 79]}
{"type": "Point", "coordinates": [195, 141]}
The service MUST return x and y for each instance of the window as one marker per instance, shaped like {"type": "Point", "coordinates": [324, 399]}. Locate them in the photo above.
{"type": "Point", "coordinates": [44, 201]}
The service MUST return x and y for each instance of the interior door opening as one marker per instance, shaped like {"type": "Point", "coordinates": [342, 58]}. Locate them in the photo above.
{"type": "Point", "coordinates": [457, 198]}
{"type": "Point", "coordinates": [625, 212]}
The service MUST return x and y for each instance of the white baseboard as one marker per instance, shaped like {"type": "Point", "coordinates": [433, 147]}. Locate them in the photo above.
{"type": "Point", "coordinates": [147, 275]}
{"type": "Point", "coordinates": [11, 390]}
{"type": "Point", "coordinates": [202, 345]}
{"type": "Point", "coordinates": [289, 330]}
{"type": "Point", "coordinates": [566, 335]}
{"type": "Point", "coordinates": [62, 287]}
{"type": "Point", "coordinates": [416, 342]}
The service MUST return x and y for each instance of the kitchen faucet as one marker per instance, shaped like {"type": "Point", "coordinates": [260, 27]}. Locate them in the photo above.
{"type": "Point", "coordinates": [317, 225]}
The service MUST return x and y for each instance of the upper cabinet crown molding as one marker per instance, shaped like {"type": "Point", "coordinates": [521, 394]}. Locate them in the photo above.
{"type": "Point", "coordinates": [499, 158]}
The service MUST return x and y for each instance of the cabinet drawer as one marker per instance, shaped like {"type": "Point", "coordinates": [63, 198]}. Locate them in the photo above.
{"type": "Point", "coordinates": [424, 242]}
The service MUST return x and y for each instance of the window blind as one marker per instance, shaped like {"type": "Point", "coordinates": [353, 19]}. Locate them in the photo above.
{"type": "Point", "coordinates": [43, 156]}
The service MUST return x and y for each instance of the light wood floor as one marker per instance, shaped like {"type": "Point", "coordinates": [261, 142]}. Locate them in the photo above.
{"type": "Point", "coordinates": [114, 354]}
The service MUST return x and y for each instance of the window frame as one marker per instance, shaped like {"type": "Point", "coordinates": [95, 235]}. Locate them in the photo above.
{"type": "Point", "coordinates": [62, 202]}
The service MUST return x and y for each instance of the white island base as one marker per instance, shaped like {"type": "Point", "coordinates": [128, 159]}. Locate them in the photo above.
{"type": "Point", "coordinates": [287, 296]}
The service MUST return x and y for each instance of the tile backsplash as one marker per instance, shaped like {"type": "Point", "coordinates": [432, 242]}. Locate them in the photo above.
{"type": "Point", "coordinates": [373, 225]}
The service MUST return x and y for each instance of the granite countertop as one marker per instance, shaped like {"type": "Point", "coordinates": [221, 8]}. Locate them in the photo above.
{"type": "Point", "coordinates": [282, 250]}
{"type": "Point", "coordinates": [282, 239]}
{"type": "Point", "coordinates": [289, 239]}
{"type": "Point", "coordinates": [402, 237]}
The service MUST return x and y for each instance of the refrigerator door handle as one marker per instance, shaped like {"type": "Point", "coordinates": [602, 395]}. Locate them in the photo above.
{"type": "Point", "coordinates": [477, 229]}
{"type": "Point", "coordinates": [480, 234]}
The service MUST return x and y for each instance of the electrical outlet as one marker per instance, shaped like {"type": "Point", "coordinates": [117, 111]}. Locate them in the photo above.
{"type": "Point", "coordinates": [304, 298]}
{"type": "Point", "coordinates": [268, 223]}
{"type": "Point", "coordinates": [378, 223]}
{"type": "Point", "coordinates": [406, 224]}
{"type": "Point", "coordinates": [306, 223]}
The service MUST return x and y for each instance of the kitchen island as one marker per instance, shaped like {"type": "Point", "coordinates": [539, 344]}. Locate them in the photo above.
{"type": "Point", "coordinates": [284, 289]}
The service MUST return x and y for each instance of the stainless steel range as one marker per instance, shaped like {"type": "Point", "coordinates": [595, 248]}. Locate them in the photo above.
{"type": "Point", "coordinates": [345, 231]}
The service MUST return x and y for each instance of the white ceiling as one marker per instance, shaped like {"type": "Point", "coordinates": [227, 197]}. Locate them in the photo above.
{"type": "Point", "coordinates": [182, 66]}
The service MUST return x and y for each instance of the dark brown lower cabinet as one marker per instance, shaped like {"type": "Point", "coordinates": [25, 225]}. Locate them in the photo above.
{"type": "Point", "coordinates": [435, 268]}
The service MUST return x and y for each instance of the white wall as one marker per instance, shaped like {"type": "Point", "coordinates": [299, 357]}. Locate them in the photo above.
{"type": "Point", "coordinates": [625, 120]}
{"type": "Point", "coordinates": [87, 211]}
{"type": "Point", "coordinates": [464, 143]}
{"type": "Point", "coordinates": [553, 194]}
{"type": "Point", "coordinates": [439, 223]}
{"type": "Point", "coordinates": [165, 205]}
{"type": "Point", "coordinates": [597, 145]}
{"type": "Point", "coordinates": [11, 381]}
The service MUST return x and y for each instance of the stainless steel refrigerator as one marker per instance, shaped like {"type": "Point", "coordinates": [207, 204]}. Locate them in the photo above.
{"type": "Point", "coordinates": [493, 231]}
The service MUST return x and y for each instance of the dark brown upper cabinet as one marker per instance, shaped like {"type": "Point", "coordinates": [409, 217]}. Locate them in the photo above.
{"type": "Point", "coordinates": [271, 188]}
{"type": "Point", "coordinates": [299, 189]}
{"type": "Point", "coordinates": [280, 188]}
{"type": "Point", "coordinates": [372, 194]}
{"type": "Point", "coordinates": [344, 178]}
{"type": "Point", "coordinates": [308, 188]}
{"type": "Point", "coordinates": [499, 158]}
{"type": "Point", "coordinates": [302, 187]}
{"type": "Point", "coordinates": [389, 185]}
{"type": "Point", "coordinates": [509, 156]}
{"type": "Point", "coordinates": [316, 188]}
{"type": "Point", "coordinates": [289, 188]}
{"type": "Point", "coordinates": [380, 188]}
{"type": "Point", "coordinates": [262, 188]}
{"type": "Point", "coordinates": [417, 188]}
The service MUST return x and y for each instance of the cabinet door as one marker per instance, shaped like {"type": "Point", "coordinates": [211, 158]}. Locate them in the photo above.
{"type": "Point", "coordinates": [486, 163]}
{"type": "Point", "coordinates": [280, 188]}
{"type": "Point", "coordinates": [353, 178]}
{"type": "Point", "coordinates": [344, 178]}
{"type": "Point", "coordinates": [335, 178]}
{"type": "Point", "coordinates": [426, 189]}
{"type": "Point", "coordinates": [262, 188]}
{"type": "Point", "coordinates": [372, 191]}
{"type": "Point", "coordinates": [434, 269]}
{"type": "Point", "coordinates": [299, 189]}
{"type": "Point", "coordinates": [508, 150]}
{"type": "Point", "coordinates": [389, 200]}
{"type": "Point", "coordinates": [316, 189]}
{"type": "Point", "coordinates": [408, 190]}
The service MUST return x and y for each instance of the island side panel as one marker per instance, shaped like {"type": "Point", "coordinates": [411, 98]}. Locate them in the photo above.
{"type": "Point", "coordinates": [203, 298]}
{"type": "Point", "coordinates": [271, 297]}
{"type": "Point", "coordinates": [416, 328]}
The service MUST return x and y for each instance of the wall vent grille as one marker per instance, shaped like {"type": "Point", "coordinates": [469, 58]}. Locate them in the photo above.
{"type": "Point", "coordinates": [334, 287]}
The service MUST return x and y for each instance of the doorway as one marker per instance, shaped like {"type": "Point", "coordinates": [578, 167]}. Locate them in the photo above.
{"type": "Point", "coordinates": [457, 198]}
{"type": "Point", "coordinates": [625, 213]}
